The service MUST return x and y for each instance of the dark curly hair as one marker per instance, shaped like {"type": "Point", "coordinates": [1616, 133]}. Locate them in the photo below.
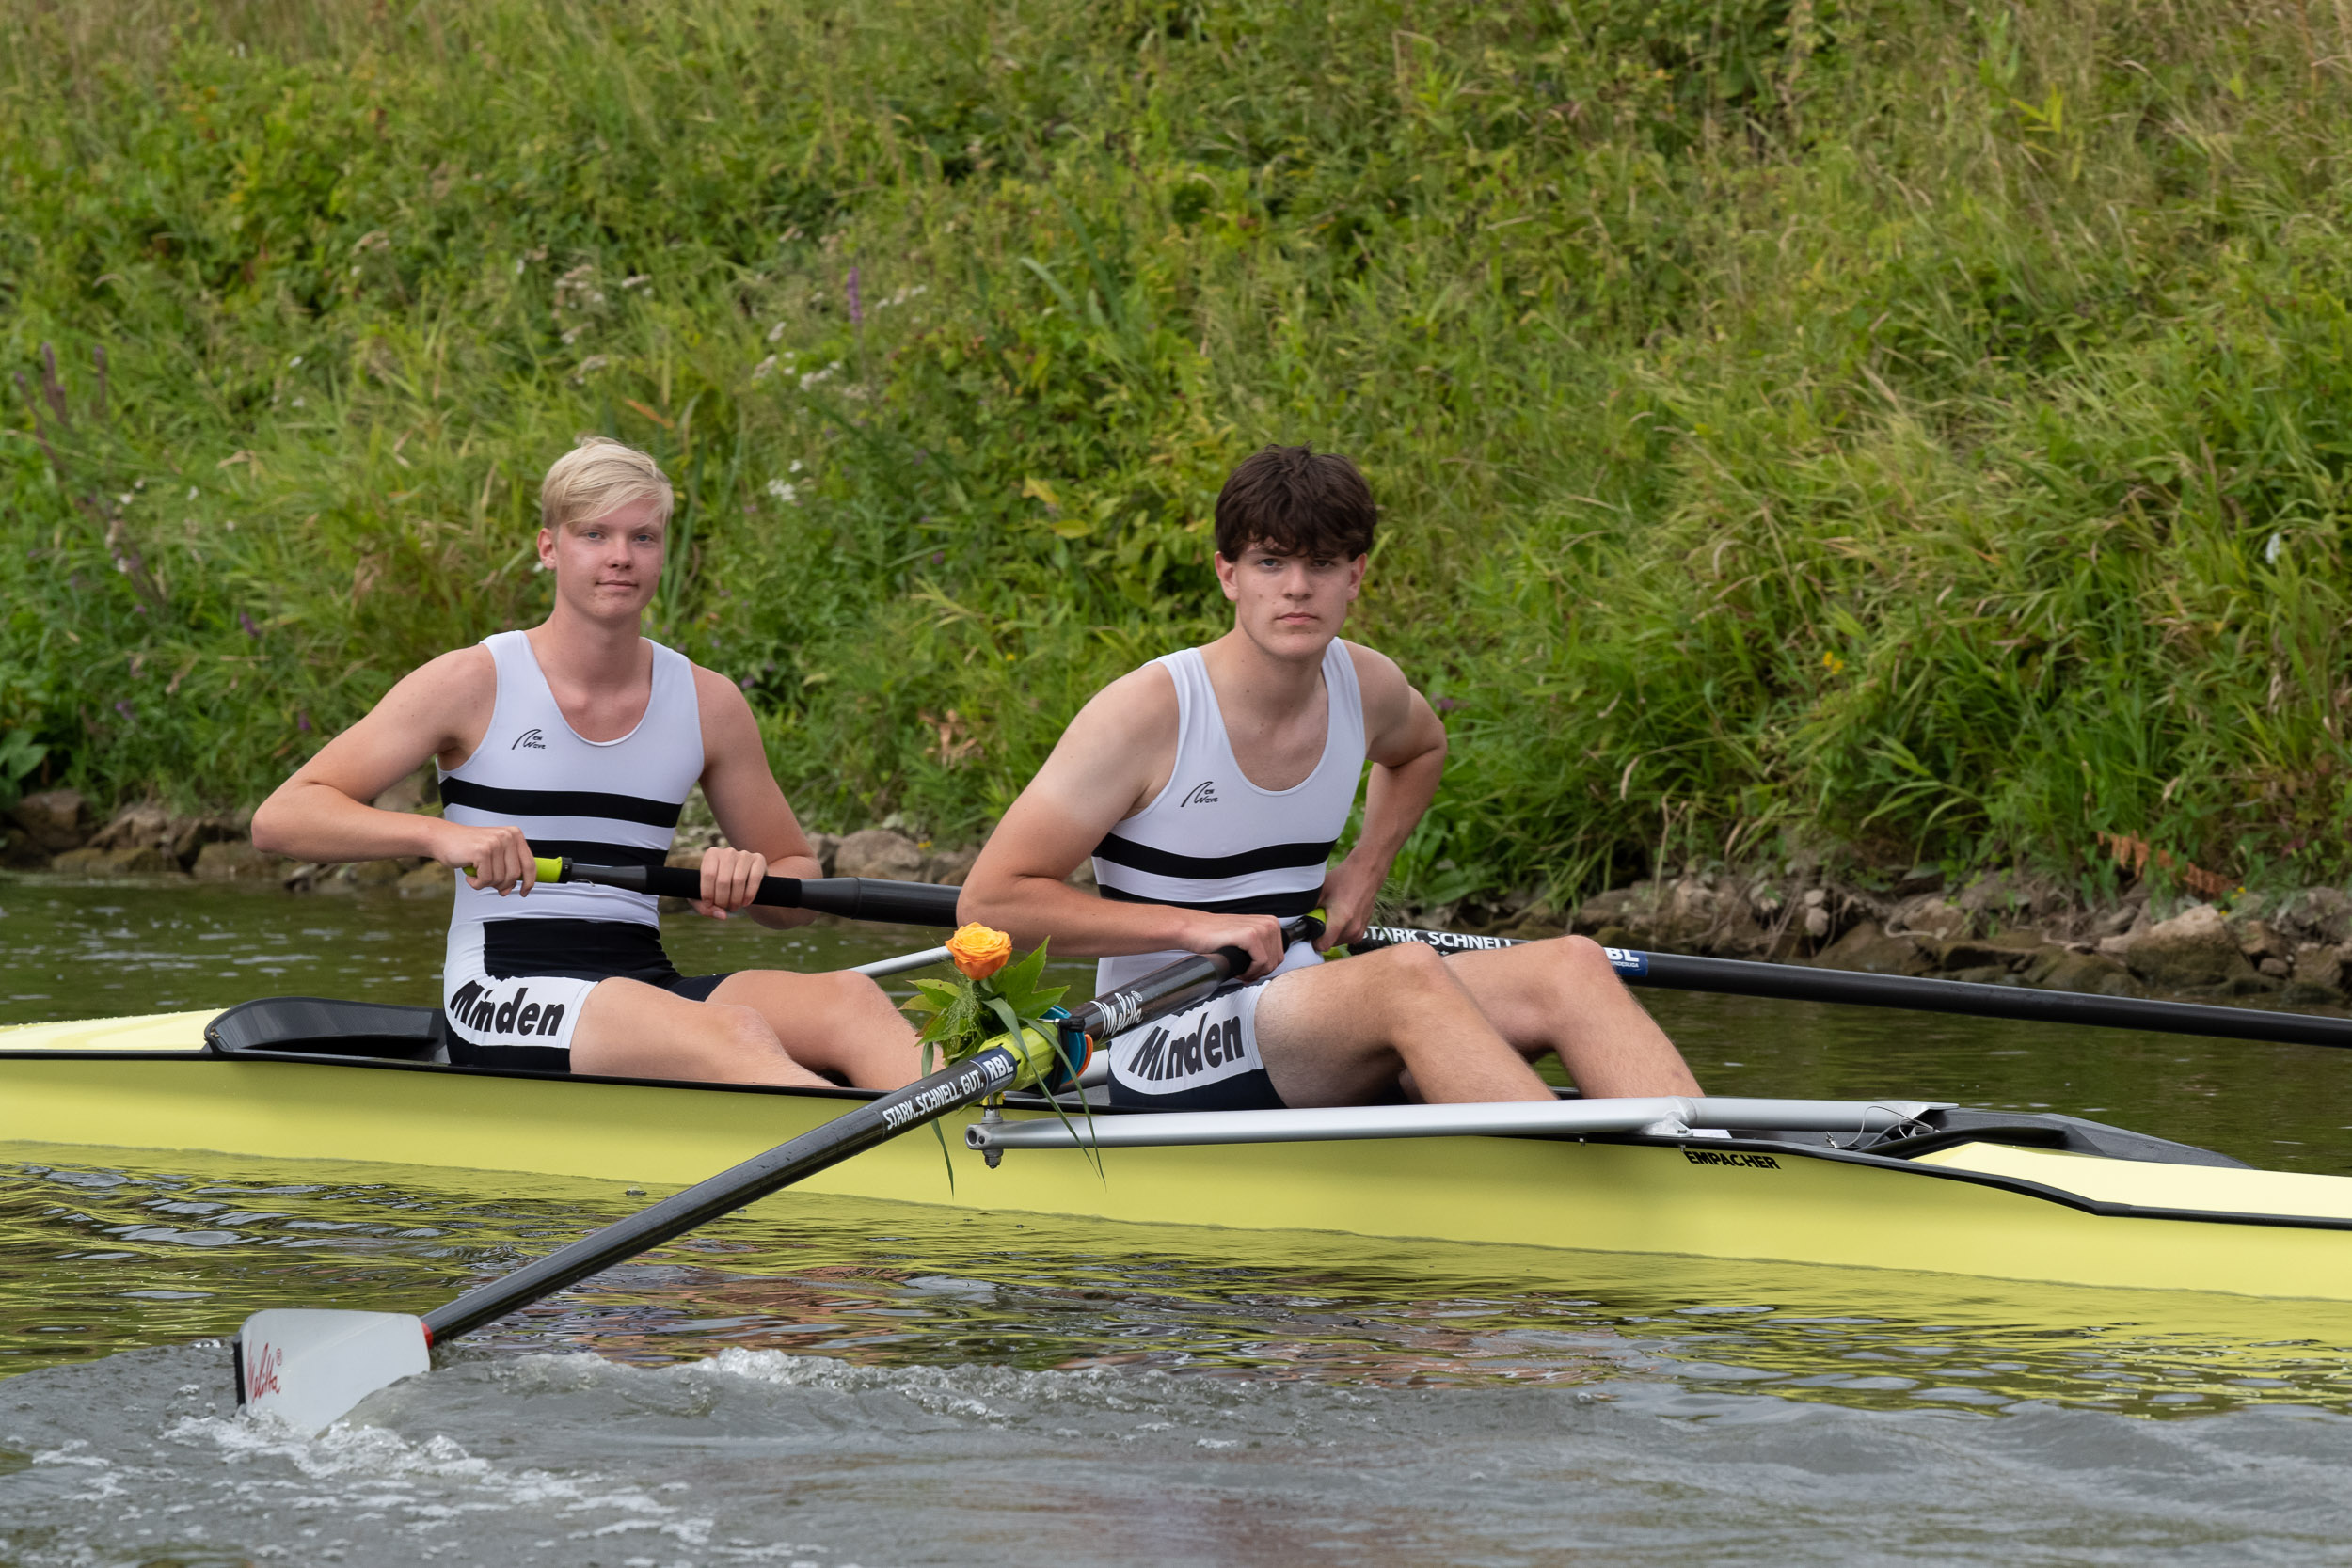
{"type": "Point", "coordinates": [1294, 500]}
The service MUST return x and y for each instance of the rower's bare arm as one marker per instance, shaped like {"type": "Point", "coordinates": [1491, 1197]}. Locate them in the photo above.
{"type": "Point", "coordinates": [1110, 761]}
{"type": "Point", "coordinates": [322, 812]}
{"type": "Point", "coordinates": [1406, 743]}
{"type": "Point", "coordinates": [764, 838]}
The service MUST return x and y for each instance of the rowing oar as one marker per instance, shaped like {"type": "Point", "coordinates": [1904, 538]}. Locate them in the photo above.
{"type": "Point", "coordinates": [851, 898]}
{"type": "Point", "coordinates": [883, 968]}
{"type": "Point", "coordinates": [310, 1365]}
{"type": "Point", "coordinates": [1800, 983]}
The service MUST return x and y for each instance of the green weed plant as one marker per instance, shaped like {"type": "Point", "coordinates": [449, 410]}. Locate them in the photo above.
{"type": "Point", "coordinates": [1896, 429]}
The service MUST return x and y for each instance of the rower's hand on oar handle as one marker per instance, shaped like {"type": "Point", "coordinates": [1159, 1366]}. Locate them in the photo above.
{"type": "Point", "coordinates": [498, 857]}
{"type": "Point", "coordinates": [731, 879]}
{"type": "Point", "coordinates": [1350, 891]}
{"type": "Point", "coordinates": [1256, 938]}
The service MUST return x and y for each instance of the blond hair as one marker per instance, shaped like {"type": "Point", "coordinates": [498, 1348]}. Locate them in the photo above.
{"type": "Point", "coordinates": [596, 476]}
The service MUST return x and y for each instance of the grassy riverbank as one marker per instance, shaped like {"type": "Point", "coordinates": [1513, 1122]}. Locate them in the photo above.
{"type": "Point", "coordinates": [1908, 427]}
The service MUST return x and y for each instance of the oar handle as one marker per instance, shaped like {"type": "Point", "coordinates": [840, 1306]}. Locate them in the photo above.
{"type": "Point", "coordinates": [854, 1131]}
{"type": "Point", "coordinates": [851, 898]}
{"type": "Point", "coordinates": [1170, 988]}
{"type": "Point", "coordinates": [1918, 993]}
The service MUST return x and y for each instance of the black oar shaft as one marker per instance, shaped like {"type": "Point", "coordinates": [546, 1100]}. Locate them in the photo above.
{"type": "Point", "coordinates": [853, 1133]}
{"type": "Point", "coordinates": [1736, 977]}
{"type": "Point", "coordinates": [1918, 993]}
{"type": "Point", "coordinates": [1168, 988]}
{"type": "Point", "coordinates": [851, 898]}
{"type": "Point", "coordinates": [1162, 990]}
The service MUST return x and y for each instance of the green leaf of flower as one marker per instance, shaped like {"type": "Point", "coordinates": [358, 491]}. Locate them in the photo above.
{"type": "Point", "coordinates": [1019, 978]}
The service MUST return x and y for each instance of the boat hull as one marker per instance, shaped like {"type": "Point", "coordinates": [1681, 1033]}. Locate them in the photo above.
{"type": "Point", "coordinates": [2013, 1215]}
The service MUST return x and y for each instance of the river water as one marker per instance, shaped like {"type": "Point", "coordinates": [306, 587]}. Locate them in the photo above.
{"type": "Point", "coordinates": [826, 1383]}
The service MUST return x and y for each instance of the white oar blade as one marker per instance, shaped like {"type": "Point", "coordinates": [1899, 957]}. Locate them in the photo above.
{"type": "Point", "coordinates": [309, 1367]}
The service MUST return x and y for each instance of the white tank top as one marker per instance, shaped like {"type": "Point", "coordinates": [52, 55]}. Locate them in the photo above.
{"type": "Point", "coordinates": [602, 802]}
{"type": "Point", "coordinates": [1211, 840]}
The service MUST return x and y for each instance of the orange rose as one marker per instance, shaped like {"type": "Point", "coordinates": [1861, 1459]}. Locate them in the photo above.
{"type": "Point", "coordinates": [979, 951]}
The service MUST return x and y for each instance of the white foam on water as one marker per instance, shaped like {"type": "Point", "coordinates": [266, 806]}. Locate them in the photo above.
{"type": "Point", "coordinates": [1044, 1402]}
{"type": "Point", "coordinates": [563, 1458]}
{"type": "Point", "coordinates": [433, 1484]}
{"type": "Point", "coordinates": [965, 1387]}
{"type": "Point", "coordinates": [100, 1479]}
{"type": "Point", "coordinates": [66, 1456]}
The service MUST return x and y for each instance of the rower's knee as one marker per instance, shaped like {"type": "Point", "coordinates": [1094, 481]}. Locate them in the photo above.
{"type": "Point", "coordinates": [1580, 966]}
{"type": "Point", "coordinates": [1412, 969]}
{"type": "Point", "coordinates": [1583, 956]}
{"type": "Point", "coordinates": [742, 1035]}
{"type": "Point", "coordinates": [854, 992]}
{"type": "Point", "coordinates": [857, 1011]}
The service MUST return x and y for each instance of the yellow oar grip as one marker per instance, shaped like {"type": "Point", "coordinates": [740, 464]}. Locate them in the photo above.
{"type": "Point", "coordinates": [544, 869]}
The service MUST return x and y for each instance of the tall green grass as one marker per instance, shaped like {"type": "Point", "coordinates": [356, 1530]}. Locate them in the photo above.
{"type": "Point", "coordinates": [1898, 430]}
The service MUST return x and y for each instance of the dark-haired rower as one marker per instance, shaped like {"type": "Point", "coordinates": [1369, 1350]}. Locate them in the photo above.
{"type": "Point", "coordinates": [1211, 787]}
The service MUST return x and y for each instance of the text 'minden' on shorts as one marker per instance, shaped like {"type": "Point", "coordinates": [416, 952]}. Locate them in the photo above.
{"type": "Point", "coordinates": [1205, 1058]}
{"type": "Point", "coordinates": [513, 989]}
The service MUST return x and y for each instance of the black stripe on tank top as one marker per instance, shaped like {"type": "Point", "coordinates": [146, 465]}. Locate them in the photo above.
{"type": "Point", "coordinates": [581, 851]}
{"type": "Point", "coordinates": [1282, 905]}
{"type": "Point", "coordinates": [578, 949]}
{"type": "Point", "coordinates": [1167, 862]}
{"type": "Point", "coordinates": [560, 802]}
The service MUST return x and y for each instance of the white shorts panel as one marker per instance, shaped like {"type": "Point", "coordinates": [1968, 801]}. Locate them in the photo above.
{"type": "Point", "coordinates": [1204, 1058]}
{"type": "Point", "coordinates": [537, 1011]}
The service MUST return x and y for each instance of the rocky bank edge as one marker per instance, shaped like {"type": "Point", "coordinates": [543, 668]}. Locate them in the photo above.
{"type": "Point", "coordinates": [2002, 928]}
{"type": "Point", "coordinates": [2294, 948]}
{"type": "Point", "coordinates": [54, 830]}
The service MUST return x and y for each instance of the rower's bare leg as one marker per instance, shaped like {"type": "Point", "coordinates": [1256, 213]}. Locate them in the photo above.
{"type": "Point", "coordinates": [839, 1024]}
{"type": "Point", "coordinates": [1340, 1034]}
{"type": "Point", "coordinates": [1561, 995]}
{"type": "Point", "coordinates": [628, 1029]}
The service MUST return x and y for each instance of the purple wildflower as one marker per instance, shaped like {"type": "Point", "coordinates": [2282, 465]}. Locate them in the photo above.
{"type": "Point", "coordinates": [302, 720]}
{"type": "Point", "coordinates": [938, 556]}
{"type": "Point", "coordinates": [51, 387]}
{"type": "Point", "coordinates": [746, 682]}
{"type": "Point", "coordinates": [250, 629]}
{"type": "Point", "coordinates": [1447, 704]}
{"type": "Point", "coordinates": [857, 311]}
{"type": "Point", "coordinates": [123, 707]}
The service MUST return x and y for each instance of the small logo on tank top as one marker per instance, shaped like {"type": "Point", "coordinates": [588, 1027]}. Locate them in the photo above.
{"type": "Point", "coordinates": [530, 739]}
{"type": "Point", "coordinates": [1203, 794]}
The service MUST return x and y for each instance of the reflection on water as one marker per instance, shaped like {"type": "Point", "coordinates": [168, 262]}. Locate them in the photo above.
{"type": "Point", "coordinates": [831, 1382]}
{"type": "Point", "coordinates": [96, 950]}
{"type": "Point", "coordinates": [96, 1259]}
